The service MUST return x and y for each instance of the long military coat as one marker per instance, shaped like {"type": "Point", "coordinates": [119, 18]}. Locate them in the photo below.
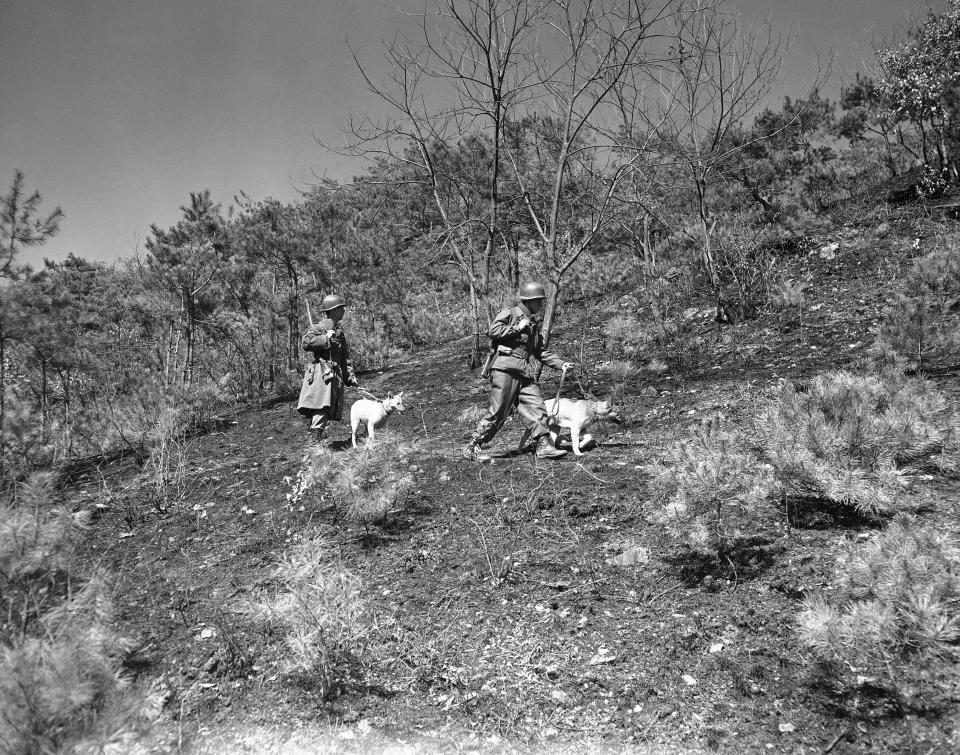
{"type": "Point", "coordinates": [329, 371]}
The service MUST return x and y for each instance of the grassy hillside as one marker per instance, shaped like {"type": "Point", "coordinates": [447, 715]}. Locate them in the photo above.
{"type": "Point", "coordinates": [521, 604]}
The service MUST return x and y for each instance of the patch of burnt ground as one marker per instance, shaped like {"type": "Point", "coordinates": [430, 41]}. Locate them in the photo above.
{"type": "Point", "coordinates": [499, 620]}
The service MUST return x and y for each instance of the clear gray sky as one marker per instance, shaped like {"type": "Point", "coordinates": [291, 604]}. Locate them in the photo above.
{"type": "Point", "coordinates": [117, 109]}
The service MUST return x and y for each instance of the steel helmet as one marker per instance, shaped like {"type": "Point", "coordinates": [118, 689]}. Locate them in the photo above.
{"type": "Point", "coordinates": [532, 290]}
{"type": "Point", "coordinates": [332, 301]}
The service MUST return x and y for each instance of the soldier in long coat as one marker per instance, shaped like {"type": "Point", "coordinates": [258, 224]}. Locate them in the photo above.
{"type": "Point", "coordinates": [321, 395]}
{"type": "Point", "coordinates": [516, 338]}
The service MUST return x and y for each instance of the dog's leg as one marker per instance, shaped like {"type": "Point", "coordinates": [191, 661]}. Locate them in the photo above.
{"type": "Point", "coordinates": [370, 433]}
{"type": "Point", "coordinates": [554, 433]}
{"type": "Point", "coordinates": [575, 439]}
{"type": "Point", "coordinates": [354, 423]}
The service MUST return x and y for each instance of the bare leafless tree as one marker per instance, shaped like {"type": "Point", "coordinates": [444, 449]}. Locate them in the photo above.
{"type": "Point", "coordinates": [589, 50]}
{"type": "Point", "coordinates": [714, 76]}
{"type": "Point", "coordinates": [463, 76]}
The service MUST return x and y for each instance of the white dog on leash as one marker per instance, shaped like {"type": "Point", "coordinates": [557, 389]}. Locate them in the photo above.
{"type": "Point", "coordinates": [374, 414]}
{"type": "Point", "coordinates": [577, 416]}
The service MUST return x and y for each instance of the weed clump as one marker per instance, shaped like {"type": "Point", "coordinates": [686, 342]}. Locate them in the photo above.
{"type": "Point", "coordinates": [364, 485]}
{"type": "Point", "coordinates": [710, 491]}
{"type": "Point", "coordinates": [847, 437]}
{"type": "Point", "coordinates": [895, 622]}
{"type": "Point", "coordinates": [319, 608]}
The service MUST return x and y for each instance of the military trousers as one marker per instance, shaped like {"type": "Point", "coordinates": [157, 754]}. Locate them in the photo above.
{"type": "Point", "coordinates": [506, 390]}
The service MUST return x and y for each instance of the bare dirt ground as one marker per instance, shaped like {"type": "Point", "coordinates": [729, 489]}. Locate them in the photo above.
{"type": "Point", "coordinates": [502, 621]}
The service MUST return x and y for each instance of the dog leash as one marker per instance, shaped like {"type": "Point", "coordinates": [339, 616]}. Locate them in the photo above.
{"type": "Point", "coordinates": [556, 401]}
{"type": "Point", "coordinates": [364, 390]}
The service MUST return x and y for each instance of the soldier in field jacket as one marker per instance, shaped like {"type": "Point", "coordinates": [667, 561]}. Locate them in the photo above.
{"type": "Point", "coordinates": [321, 395]}
{"type": "Point", "coordinates": [515, 335]}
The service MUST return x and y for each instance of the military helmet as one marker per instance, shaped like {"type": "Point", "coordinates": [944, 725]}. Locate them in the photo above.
{"type": "Point", "coordinates": [332, 301]}
{"type": "Point", "coordinates": [532, 290]}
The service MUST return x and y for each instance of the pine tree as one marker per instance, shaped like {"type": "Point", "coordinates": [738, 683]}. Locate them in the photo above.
{"type": "Point", "coordinates": [60, 655]}
{"type": "Point", "coordinates": [895, 620]}
{"type": "Point", "coordinates": [188, 259]}
{"type": "Point", "coordinates": [847, 437]}
{"type": "Point", "coordinates": [21, 225]}
{"type": "Point", "coordinates": [711, 491]}
{"type": "Point", "coordinates": [921, 327]}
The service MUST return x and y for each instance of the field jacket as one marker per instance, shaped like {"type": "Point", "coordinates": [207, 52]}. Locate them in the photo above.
{"type": "Point", "coordinates": [515, 348]}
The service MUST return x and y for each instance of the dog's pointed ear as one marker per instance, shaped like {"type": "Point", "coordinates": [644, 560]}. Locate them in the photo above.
{"type": "Point", "coordinates": [389, 394]}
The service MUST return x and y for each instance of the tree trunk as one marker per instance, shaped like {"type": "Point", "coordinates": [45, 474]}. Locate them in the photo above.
{"type": "Point", "coordinates": [169, 356]}
{"type": "Point", "coordinates": [3, 403]}
{"type": "Point", "coordinates": [649, 257]}
{"type": "Point", "coordinates": [478, 347]}
{"type": "Point", "coordinates": [709, 263]}
{"type": "Point", "coordinates": [44, 403]}
{"type": "Point", "coordinates": [188, 337]}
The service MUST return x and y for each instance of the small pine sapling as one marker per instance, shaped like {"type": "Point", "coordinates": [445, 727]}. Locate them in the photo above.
{"type": "Point", "coordinates": [61, 686]}
{"type": "Point", "coordinates": [894, 623]}
{"type": "Point", "coordinates": [921, 326]}
{"type": "Point", "coordinates": [319, 607]}
{"type": "Point", "coordinates": [848, 438]}
{"type": "Point", "coordinates": [790, 296]}
{"type": "Point", "coordinates": [364, 485]}
{"type": "Point", "coordinates": [712, 492]}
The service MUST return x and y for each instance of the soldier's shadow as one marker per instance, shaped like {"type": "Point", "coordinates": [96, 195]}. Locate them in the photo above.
{"type": "Point", "coordinates": [563, 443]}
{"type": "Point", "coordinates": [340, 445]}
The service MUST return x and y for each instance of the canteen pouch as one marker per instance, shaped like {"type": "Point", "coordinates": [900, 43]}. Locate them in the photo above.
{"type": "Point", "coordinates": [322, 369]}
{"type": "Point", "coordinates": [491, 355]}
{"type": "Point", "coordinates": [326, 372]}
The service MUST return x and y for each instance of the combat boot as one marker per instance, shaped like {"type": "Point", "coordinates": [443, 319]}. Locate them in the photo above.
{"type": "Point", "coordinates": [546, 449]}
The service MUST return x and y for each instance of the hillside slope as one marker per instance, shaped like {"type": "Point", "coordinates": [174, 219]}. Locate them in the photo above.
{"type": "Point", "coordinates": [502, 619]}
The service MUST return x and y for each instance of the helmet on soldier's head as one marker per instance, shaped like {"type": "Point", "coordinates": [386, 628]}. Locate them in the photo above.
{"type": "Point", "coordinates": [332, 301]}
{"type": "Point", "coordinates": [532, 290]}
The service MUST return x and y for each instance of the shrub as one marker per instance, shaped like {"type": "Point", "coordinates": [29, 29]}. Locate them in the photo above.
{"type": "Point", "coordinates": [37, 545]}
{"type": "Point", "coordinates": [624, 335]}
{"type": "Point", "coordinates": [364, 485]}
{"type": "Point", "coordinates": [26, 443]}
{"type": "Point", "coordinates": [846, 438]}
{"type": "Point", "coordinates": [166, 466]}
{"type": "Point", "coordinates": [787, 297]}
{"type": "Point", "coordinates": [60, 658]}
{"type": "Point", "coordinates": [318, 606]}
{"type": "Point", "coordinates": [745, 269]}
{"type": "Point", "coordinates": [895, 621]}
{"type": "Point", "coordinates": [370, 346]}
{"type": "Point", "coordinates": [711, 491]}
{"type": "Point", "coordinates": [670, 328]}
{"type": "Point", "coordinates": [618, 373]}
{"type": "Point", "coordinates": [921, 326]}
